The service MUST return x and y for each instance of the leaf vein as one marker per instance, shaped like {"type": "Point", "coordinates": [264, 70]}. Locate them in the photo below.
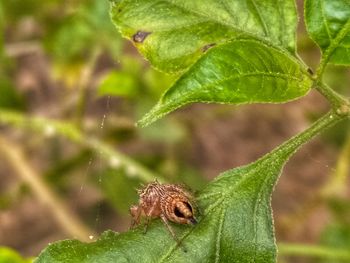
{"type": "Point", "coordinates": [262, 22]}
{"type": "Point", "coordinates": [218, 238]}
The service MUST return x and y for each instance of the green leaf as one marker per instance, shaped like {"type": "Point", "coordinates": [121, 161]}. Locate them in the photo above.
{"type": "Point", "coordinates": [336, 235]}
{"type": "Point", "coordinates": [8, 255]}
{"type": "Point", "coordinates": [239, 72]}
{"type": "Point", "coordinates": [172, 34]}
{"type": "Point", "coordinates": [235, 224]}
{"type": "Point", "coordinates": [328, 24]}
{"type": "Point", "coordinates": [121, 84]}
{"type": "Point", "coordinates": [78, 33]}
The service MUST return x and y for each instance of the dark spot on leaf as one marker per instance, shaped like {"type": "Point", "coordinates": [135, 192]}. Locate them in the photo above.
{"type": "Point", "coordinates": [206, 47]}
{"type": "Point", "coordinates": [310, 71]}
{"type": "Point", "coordinates": [140, 36]}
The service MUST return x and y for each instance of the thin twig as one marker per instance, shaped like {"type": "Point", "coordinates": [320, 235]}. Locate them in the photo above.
{"type": "Point", "coordinates": [290, 249]}
{"type": "Point", "coordinates": [49, 127]}
{"type": "Point", "coordinates": [68, 221]}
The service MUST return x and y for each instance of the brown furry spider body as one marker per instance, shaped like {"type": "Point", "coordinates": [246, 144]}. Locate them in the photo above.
{"type": "Point", "coordinates": [169, 202]}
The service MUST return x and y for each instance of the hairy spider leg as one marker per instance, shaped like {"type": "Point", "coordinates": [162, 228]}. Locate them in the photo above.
{"type": "Point", "coordinates": [165, 221]}
{"type": "Point", "coordinates": [135, 212]}
{"type": "Point", "coordinates": [149, 216]}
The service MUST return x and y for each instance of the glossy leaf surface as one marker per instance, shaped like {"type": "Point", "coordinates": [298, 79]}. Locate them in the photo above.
{"type": "Point", "coordinates": [172, 34]}
{"type": "Point", "coordinates": [328, 23]}
{"type": "Point", "coordinates": [241, 71]}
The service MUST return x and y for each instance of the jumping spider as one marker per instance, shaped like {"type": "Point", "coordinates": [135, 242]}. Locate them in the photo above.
{"type": "Point", "coordinates": [167, 201]}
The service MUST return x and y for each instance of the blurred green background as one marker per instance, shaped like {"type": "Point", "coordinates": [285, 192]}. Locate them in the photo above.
{"type": "Point", "coordinates": [71, 157]}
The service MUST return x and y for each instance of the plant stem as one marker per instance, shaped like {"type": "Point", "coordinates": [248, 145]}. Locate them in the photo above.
{"type": "Point", "coordinates": [290, 249]}
{"type": "Point", "coordinates": [285, 150]}
{"type": "Point", "coordinates": [68, 221]}
{"type": "Point", "coordinates": [339, 103]}
{"type": "Point", "coordinates": [53, 127]}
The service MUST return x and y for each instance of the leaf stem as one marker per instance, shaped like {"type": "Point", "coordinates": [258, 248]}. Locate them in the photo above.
{"type": "Point", "coordinates": [339, 103]}
{"type": "Point", "coordinates": [292, 249]}
{"type": "Point", "coordinates": [285, 150]}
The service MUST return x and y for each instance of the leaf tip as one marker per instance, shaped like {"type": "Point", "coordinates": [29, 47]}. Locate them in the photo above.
{"type": "Point", "coordinates": [157, 112]}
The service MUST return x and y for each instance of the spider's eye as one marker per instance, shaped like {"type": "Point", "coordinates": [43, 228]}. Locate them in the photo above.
{"type": "Point", "coordinates": [178, 213]}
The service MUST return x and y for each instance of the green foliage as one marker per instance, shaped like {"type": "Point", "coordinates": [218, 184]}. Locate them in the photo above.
{"type": "Point", "coordinates": [235, 222]}
{"type": "Point", "coordinates": [118, 83]}
{"type": "Point", "coordinates": [231, 52]}
{"type": "Point", "coordinates": [8, 255]}
{"type": "Point", "coordinates": [226, 75]}
{"type": "Point", "coordinates": [178, 32]}
{"type": "Point", "coordinates": [328, 23]}
{"type": "Point", "coordinates": [75, 36]}
{"type": "Point", "coordinates": [337, 233]}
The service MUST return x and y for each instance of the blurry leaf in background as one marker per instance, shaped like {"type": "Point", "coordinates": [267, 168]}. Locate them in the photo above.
{"type": "Point", "coordinates": [167, 131]}
{"type": "Point", "coordinates": [87, 28]}
{"type": "Point", "coordinates": [77, 37]}
{"type": "Point", "coordinates": [337, 233]}
{"type": "Point", "coordinates": [9, 97]}
{"type": "Point", "coordinates": [119, 189]}
{"type": "Point", "coordinates": [8, 255]}
{"type": "Point", "coordinates": [117, 83]}
{"type": "Point", "coordinates": [328, 23]}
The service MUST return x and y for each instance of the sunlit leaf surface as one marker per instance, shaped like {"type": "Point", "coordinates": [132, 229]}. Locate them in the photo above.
{"type": "Point", "coordinates": [172, 34]}
{"type": "Point", "coordinates": [241, 71]}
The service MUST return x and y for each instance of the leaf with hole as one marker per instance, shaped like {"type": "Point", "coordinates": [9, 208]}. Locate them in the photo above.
{"type": "Point", "coordinates": [172, 34]}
